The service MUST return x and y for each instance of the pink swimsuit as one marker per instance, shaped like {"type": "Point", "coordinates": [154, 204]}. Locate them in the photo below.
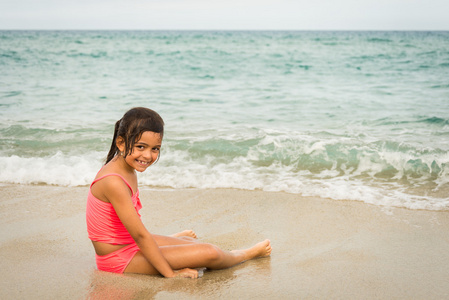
{"type": "Point", "coordinates": [103, 225]}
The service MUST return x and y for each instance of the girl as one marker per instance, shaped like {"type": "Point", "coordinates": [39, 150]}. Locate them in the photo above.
{"type": "Point", "coordinates": [121, 241]}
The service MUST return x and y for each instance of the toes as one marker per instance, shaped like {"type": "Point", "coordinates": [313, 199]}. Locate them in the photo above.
{"type": "Point", "coordinates": [191, 233]}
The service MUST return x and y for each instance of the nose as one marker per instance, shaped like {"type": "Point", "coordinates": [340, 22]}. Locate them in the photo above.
{"type": "Point", "coordinates": [148, 155]}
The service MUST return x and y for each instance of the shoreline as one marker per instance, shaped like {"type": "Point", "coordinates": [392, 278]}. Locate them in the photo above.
{"type": "Point", "coordinates": [321, 248]}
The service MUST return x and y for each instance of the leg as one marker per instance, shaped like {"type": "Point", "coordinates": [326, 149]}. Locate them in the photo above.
{"type": "Point", "coordinates": [196, 255]}
{"type": "Point", "coordinates": [163, 240]}
{"type": "Point", "coordinates": [180, 238]}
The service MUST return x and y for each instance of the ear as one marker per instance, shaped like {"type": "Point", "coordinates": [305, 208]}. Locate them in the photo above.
{"type": "Point", "coordinates": [120, 143]}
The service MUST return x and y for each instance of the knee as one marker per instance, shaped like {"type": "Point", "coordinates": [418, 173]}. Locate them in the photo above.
{"type": "Point", "coordinates": [212, 253]}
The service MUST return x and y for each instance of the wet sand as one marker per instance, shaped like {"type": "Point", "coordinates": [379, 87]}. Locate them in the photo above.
{"type": "Point", "coordinates": [321, 248]}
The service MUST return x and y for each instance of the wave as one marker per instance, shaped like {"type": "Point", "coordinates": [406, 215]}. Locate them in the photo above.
{"type": "Point", "coordinates": [416, 120]}
{"type": "Point", "coordinates": [377, 173]}
{"type": "Point", "coordinates": [35, 141]}
{"type": "Point", "coordinates": [315, 154]}
{"type": "Point", "coordinates": [435, 120]}
{"type": "Point", "coordinates": [379, 40]}
{"type": "Point", "coordinates": [57, 169]}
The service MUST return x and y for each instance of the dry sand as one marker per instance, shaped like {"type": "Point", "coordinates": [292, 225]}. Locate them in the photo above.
{"type": "Point", "coordinates": [321, 248]}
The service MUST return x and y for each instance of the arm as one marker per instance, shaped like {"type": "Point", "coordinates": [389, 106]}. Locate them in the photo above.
{"type": "Point", "coordinates": [119, 196]}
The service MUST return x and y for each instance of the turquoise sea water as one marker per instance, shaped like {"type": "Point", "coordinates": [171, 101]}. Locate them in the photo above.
{"type": "Point", "coordinates": [343, 115]}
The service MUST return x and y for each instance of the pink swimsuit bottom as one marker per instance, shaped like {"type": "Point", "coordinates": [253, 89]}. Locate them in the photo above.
{"type": "Point", "coordinates": [117, 261]}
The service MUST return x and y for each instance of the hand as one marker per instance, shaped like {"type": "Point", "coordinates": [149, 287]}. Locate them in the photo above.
{"type": "Point", "coordinates": [186, 273]}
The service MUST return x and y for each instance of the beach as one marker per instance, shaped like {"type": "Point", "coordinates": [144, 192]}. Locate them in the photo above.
{"type": "Point", "coordinates": [322, 248]}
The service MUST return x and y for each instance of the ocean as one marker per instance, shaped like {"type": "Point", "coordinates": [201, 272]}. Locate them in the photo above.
{"type": "Point", "coordinates": [344, 115]}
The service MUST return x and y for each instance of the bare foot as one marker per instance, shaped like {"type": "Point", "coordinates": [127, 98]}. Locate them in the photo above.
{"type": "Point", "coordinates": [261, 249]}
{"type": "Point", "coordinates": [185, 233]}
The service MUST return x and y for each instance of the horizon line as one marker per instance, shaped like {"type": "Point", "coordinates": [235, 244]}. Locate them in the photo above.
{"type": "Point", "coordinates": [141, 29]}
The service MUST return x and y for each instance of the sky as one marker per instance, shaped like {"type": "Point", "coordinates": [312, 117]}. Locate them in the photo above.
{"type": "Point", "coordinates": [226, 14]}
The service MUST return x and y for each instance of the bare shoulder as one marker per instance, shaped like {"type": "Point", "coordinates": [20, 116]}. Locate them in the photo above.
{"type": "Point", "coordinates": [109, 188]}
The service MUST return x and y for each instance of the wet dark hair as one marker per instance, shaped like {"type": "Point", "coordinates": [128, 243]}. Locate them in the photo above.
{"type": "Point", "coordinates": [131, 127]}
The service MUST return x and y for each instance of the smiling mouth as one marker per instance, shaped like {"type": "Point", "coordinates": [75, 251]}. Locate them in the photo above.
{"type": "Point", "coordinates": [143, 163]}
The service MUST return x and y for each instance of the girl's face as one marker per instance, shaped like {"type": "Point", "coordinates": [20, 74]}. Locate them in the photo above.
{"type": "Point", "coordinates": [145, 151]}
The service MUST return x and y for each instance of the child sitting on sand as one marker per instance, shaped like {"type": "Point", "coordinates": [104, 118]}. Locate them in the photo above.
{"type": "Point", "coordinates": [121, 241]}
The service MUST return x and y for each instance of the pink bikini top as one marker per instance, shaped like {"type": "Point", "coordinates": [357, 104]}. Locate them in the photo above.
{"type": "Point", "coordinates": [103, 224]}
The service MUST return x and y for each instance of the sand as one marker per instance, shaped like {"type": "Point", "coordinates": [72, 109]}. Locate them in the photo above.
{"type": "Point", "coordinates": [321, 248]}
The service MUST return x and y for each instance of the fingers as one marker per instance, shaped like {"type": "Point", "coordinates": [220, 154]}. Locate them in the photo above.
{"type": "Point", "coordinates": [187, 273]}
